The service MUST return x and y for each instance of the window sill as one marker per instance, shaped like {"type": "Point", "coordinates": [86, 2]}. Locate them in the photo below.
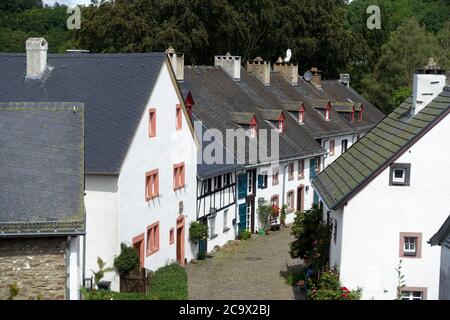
{"type": "Point", "coordinates": [301, 177]}
{"type": "Point", "coordinates": [213, 236]}
{"type": "Point", "coordinates": [290, 210]}
{"type": "Point", "coordinates": [178, 188]}
{"type": "Point", "coordinates": [152, 197]}
{"type": "Point", "coordinates": [149, 253]}
{"type": "Point", "coordinates": [274, 183]}
{"type": "Point", "coordinates": [226, 230]}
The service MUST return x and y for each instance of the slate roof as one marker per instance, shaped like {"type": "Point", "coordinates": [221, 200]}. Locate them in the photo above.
{"type": "Point", "coordinates": [220, 103]}
{"type": "Point", "coordinates": [378, 149]}
{"type": "Point", "coordinates": [115, 89]}
{"type": "Point", "coordinates": [41, 168]}
{"type": "Point", "coordinates": [312, 97]}
{"type": "Point", "coordinates": [442, 237]}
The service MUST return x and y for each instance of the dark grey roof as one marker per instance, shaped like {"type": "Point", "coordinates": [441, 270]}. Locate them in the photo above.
{"type": "Point", "coordinates": [41, 168]}
{"type": "Point", "coordinates": [218, 97]}
{"type": "Point", "coordinates": [442, 237]}
{"type": "Point", "coordinates": [377, 149]}
{"type": "Point", "coordinates": [312, 97]}
{"type": "Point", "coordinates": [206, 168]}
{"type": "Point", "coordinates": [115, 89]}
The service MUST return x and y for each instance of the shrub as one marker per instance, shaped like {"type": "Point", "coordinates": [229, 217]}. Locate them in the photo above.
{"type": "Point", "coordinates": [169, 283]}
{"type": "Point", "coordinates": [198, 231]}
{"type": "Point", "coordinates": [127, 260]}
{"type": "Point", "coordinates": [265, 211]}
{"type": "Point", "coordinates": [328, 287]}
{"type": "Point", "coordinates": [312, 238]}
{"type": "Point", "coordinates": [13, 291]}
{"type": "Point", "coordinates": [244, 235]}
{"type": "Point", "coordinates": [283, 215]}
{"type": "Point", "coordinates": [201, 255]}
{"type": "Point", "coordinates": [98, 275]}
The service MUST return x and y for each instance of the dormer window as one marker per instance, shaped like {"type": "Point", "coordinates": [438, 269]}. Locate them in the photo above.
{"type": "Point", "coordinates": [281, 119]}
{"type": "Point", "coordinates": [253, 128]}
{"type": "Point", "coordinates": [301, 114]}
{"type": "Point", "coordinates": [189, 103]}
{"type": "Point", "coordinates": [360, 113]}
{"type": "Point", "coordinates": [280, 126]}
{"type": "Point", "coordinates": [327, 114]}
{"type": "Point", "coordinates": [352, 115]}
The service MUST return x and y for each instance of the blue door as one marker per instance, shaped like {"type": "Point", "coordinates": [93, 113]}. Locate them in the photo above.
{"type": "Point", "coordinates": [316, 198]}
{"type": "Point", "coordinates": [242, 217]}
{"type": "Point", "coordinates": [203, 244]}
{"type": "Point", "coordinates": [242, 186]}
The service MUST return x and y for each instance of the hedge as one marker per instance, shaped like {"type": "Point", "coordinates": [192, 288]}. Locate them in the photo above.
{"type": "Point", "coordinates": [169, 283]}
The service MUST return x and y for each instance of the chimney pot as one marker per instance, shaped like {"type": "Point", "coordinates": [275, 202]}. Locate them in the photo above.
{"type": "Point", "coordinates": [260, 69]}
{"type": "Point", "coordinates": [177, 62]}
{"type": "Point", "coordinates": [288, 70]}
{"type": "Point", "coordinates": [230, 64]}
{"type": "Point", "coordinates": [428, 83]}
{"type": "Point", "coordinates": [345, 79]}
{"type": "Point", "coordinates": [36, 57]}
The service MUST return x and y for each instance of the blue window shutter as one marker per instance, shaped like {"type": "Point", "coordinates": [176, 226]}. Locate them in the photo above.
{"type": "Point", "coordinates": [260, 181]}
{"type": "Point", "coordinates": [242, 186]}
{"type": "Point", "coordinates": [316, 198]}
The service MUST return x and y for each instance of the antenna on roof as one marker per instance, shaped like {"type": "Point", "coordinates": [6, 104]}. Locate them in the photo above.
{"type": "Point", "coordinates": [307, 76]}
{"type": "Point", "coordinates": [77, 51]}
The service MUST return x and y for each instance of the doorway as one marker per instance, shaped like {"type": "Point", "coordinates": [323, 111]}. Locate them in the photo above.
{"type": "Point", "coordinates": [180, 240]}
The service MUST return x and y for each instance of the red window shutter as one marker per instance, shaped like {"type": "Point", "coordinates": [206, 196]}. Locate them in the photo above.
{"type": "Point", "coordinates": [178, 117]}
{"type": "Point", "coordinates": [152, 123]}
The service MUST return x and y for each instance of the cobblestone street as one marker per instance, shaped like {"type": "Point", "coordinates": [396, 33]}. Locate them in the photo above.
{"type": "Point", "coordinates": [251, 269]}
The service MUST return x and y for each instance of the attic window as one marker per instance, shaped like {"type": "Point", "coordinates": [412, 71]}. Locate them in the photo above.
{"type": "Point", "coordinates": [301, 114]}
{"type": "Point", "coordinates": [253, 128]}
{"type": "Point", "coordinates": [400, 174]}
{"type": "Point", "coordinates": [327, 114]}
{"type": "Point", "coordinates": [281, 125]}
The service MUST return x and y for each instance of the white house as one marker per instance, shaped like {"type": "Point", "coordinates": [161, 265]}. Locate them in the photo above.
{"type": "Point", "coordinates": [140, 150]}
{"type": "Point", "coordinates": [389, 193]}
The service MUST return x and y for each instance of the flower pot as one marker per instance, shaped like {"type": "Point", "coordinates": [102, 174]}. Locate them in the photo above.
{"type": "Point", "coordinates": [266, 231]}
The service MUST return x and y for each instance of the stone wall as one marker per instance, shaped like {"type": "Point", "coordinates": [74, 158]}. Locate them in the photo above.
{"type": "Point", "coordinates": [36, 265]}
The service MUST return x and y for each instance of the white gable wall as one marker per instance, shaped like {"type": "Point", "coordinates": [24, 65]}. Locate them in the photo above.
{"type": "Point", "coordinates": [374, 218]}
{"type": "Point", "coordinates": [145, 154]}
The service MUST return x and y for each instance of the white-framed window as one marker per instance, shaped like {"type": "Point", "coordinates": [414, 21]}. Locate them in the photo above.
{"type": "Point", "coordinates": [344, 145]}
{"type": "Point", "coordinates": [410, 246]}
{"type": "Point", "coordinates": [249, 214]}
{"type": "Point", "coordinates": [217, 182]}
{"type": "Point", "coordinates": [250, 182]}
{"type": "Point", "coordinates": [412, 295]}
{"type": "Point", "coordinates": [225, 220]}
{"type": "Point", "coordinates": [290, 200]}
{"type": "Point", "coordinates": [400, 174]}
{"type": "Point", "coordinates": [207, 186]}
{"type": "Point", "coordinates": [212, 226]}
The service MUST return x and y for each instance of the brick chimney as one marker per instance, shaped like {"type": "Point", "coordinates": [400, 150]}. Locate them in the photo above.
{"type": "Point", "coordinates": [288, 70]}
{"type": "Point", "coordinates": [231, 65]}
{"type": "Point", "coordinates": [177, 61]}
{"type": "Point", "coordinates": [260, 69]}
{"type": "Point", "coordinates": [428, 83]}
{"type": "Point", "coordinates": [316, 77]}
{"type": "Point", "coordinates": [36, 57]}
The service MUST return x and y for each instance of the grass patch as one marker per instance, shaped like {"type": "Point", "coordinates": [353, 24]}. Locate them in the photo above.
{"type": "Point", "coordinates": [167, 283]}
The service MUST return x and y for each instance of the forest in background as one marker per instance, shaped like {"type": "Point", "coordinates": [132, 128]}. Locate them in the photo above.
{"type": "Point", "coordinates": [328, 34]}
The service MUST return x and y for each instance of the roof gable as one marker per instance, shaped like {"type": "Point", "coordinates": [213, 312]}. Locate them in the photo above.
{"type": "Point", "coordinates": [365, 159]}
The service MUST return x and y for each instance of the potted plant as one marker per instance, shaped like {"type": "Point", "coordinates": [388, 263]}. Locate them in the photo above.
{"type": "Point", "coordinates": [283, 215]}
{"type": "Point", "coordinates": [264, 213]}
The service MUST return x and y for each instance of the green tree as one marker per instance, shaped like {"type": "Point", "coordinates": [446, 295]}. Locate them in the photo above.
{"type": "Point", "coordinates": [409, 47]}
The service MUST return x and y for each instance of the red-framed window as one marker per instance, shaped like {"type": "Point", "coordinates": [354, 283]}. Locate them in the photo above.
{"type": "Point", "coordinates": [360, 113]}
{"type": "Point", "coordinates": [301, 169]}
{"type": "Point", "coordinates": [151, 184]}
{"type": "Point", "coordinates": [138, 245]}
{"type": "Point", "coordinates": [332, 144]}
{"type": "Point", "coordinates": [152, 123]}
{"type": "Point", "coordinates": [178, 176]}
{"type": "Point", "coordinates": [291, 171]}
{"type": "Point", "coordinates": [152, 238]}
{"type": "Point", "coordinates": [290, 201]}
{"type": "Point", "coordinates": [275, 172]}
{"type": "Point", "coordinates": [179, 117]}
{"type": "Point", "coordinates": [253, 128]}
{"type": "Point", "coordinates": [301, 114]}
{"type": "Point", "coordinates": [281, 123]}
{"type": "Point", "coordinates": [274, 200]}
